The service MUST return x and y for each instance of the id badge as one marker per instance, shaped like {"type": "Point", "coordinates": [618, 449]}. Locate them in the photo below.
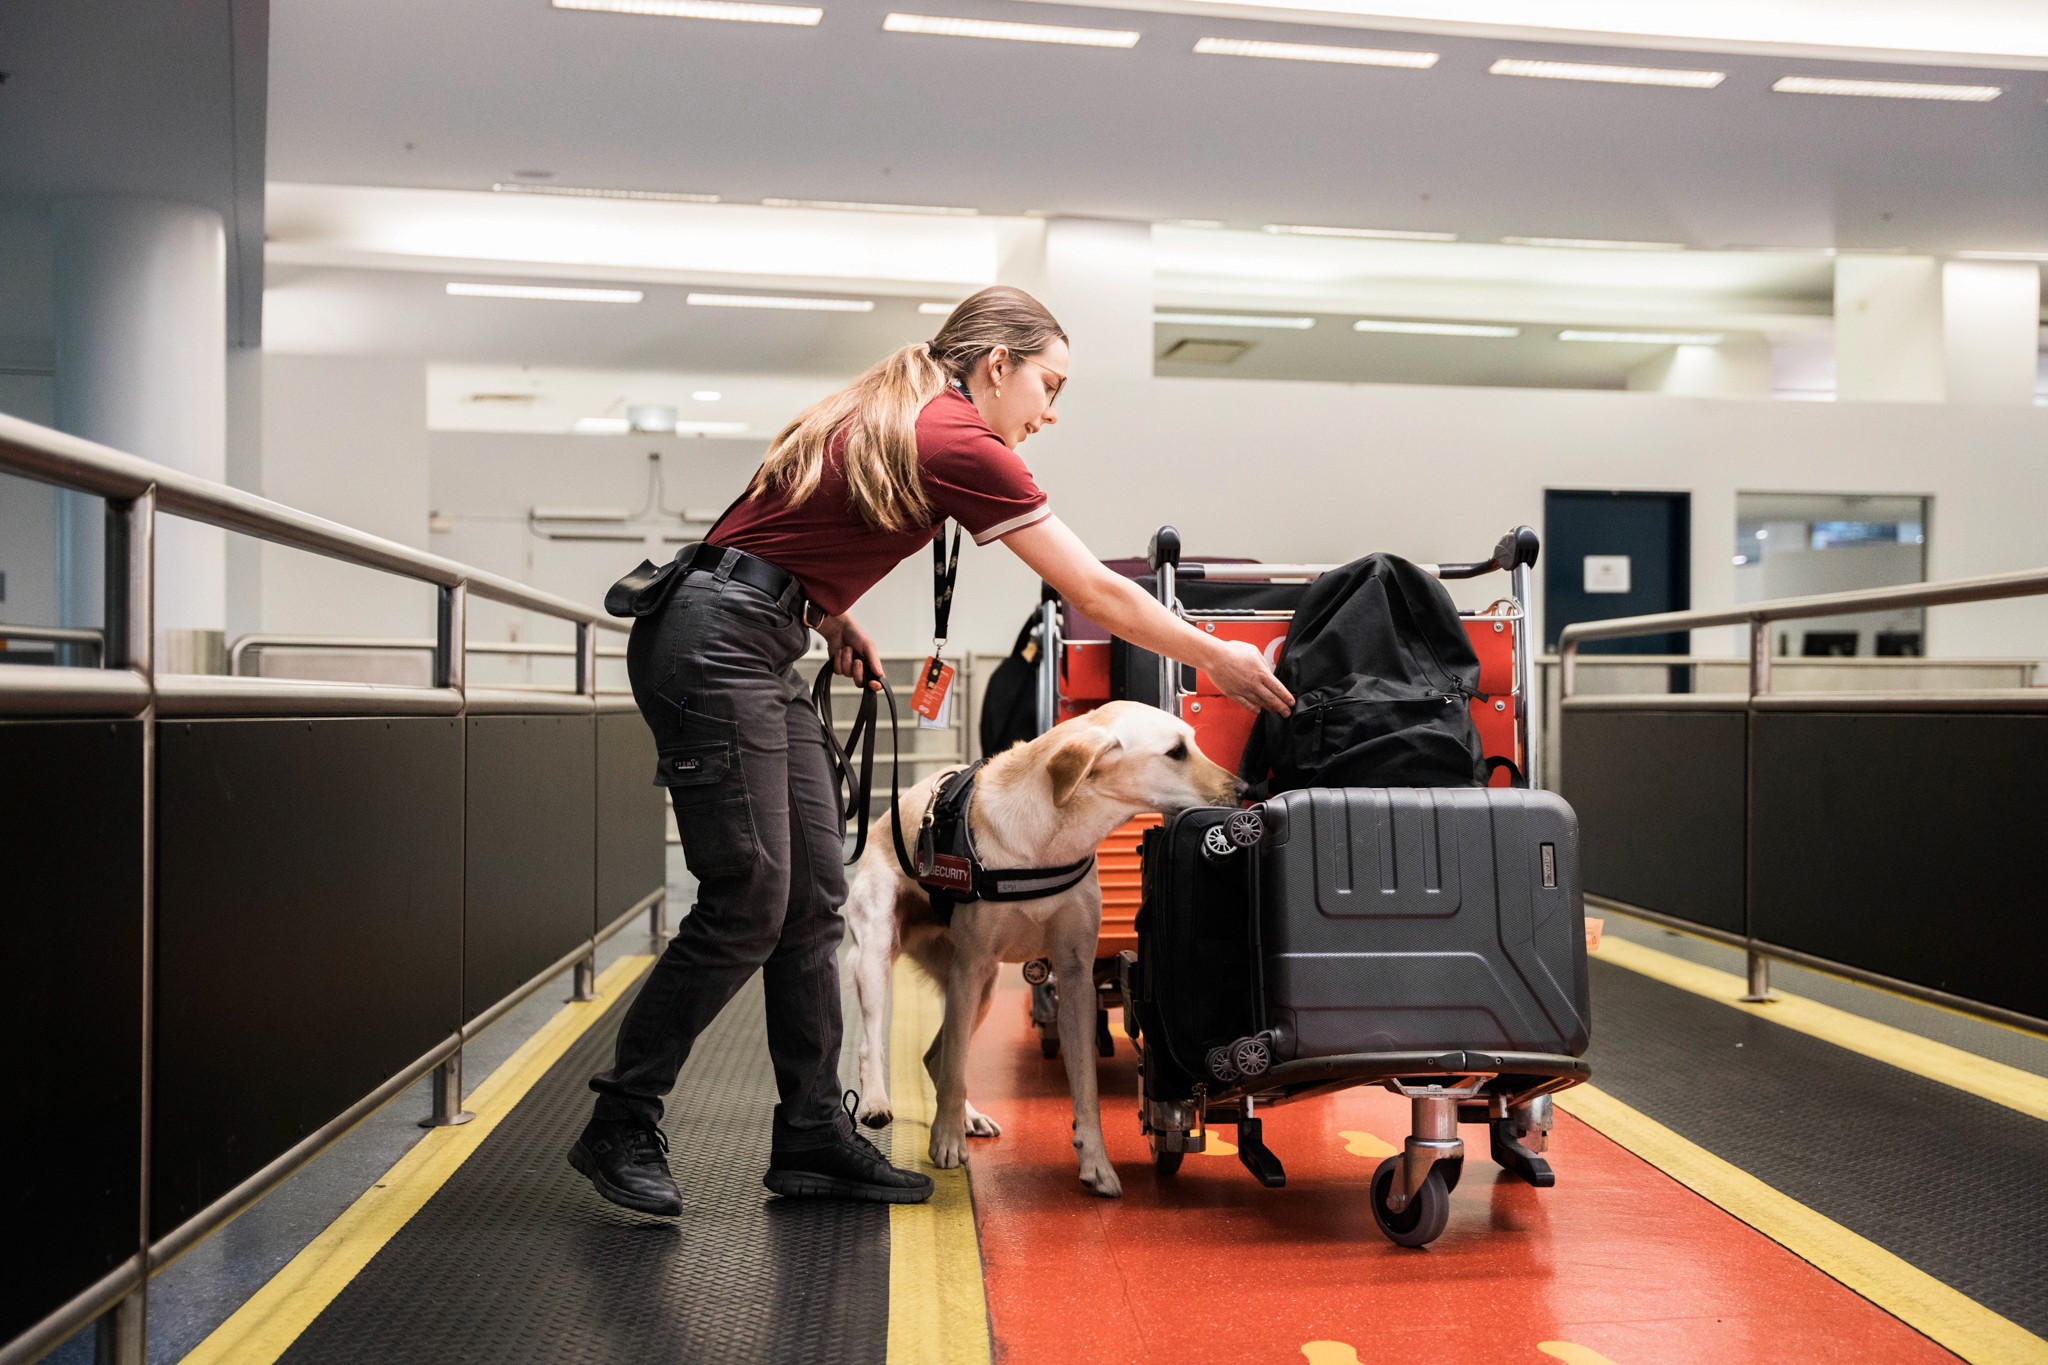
{"type": "Point", "coordinates": [932, 699]}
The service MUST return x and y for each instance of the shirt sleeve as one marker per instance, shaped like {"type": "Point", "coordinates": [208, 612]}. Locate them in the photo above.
{"type": "Point", "coordinates": [986, 487]}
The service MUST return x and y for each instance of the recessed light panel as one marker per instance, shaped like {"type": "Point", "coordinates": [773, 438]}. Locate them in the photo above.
{"type": "Point", "coordinates": [1379, 234]}
{"type": "Point", "coordinates": [1610, 75]}
{"type": "Point", "coordinates": [2002, 255]}
{"type": "Point", "coordinates": [706, 395]}
{"type": "Point", "coordinates": [804, 16]}
{"type": "Point", "coordinates": [1888, 90]}
{"type": "Point", "coordinates": [937, 310]}
{"type": "Point", "coordinates": [577, 192]}
{"type": "Point", "coordinates": [467, 290]}
{"type": "Point", "coordinates": [1434, 329]}
{"type": "Point", "coordinates": [944, 26]}
{"type": "Point", "coordinates": [849, 206]}
{"type": "Point", "coordinates": [801, 305]}
{"type": "Point", "coordinates": [602, 426]}
{"type": "Point", "coordinates": [1593, 244]}
{"type": "Point", "coordinates": [1644, 338]}
{"type": "Point", "coordinates": [1311, 52]}
{"type": "Point", "coordinates": [1234, 320]}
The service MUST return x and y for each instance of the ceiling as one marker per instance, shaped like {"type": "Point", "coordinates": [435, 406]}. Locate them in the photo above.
{"type": "Point", "coordinates": [462, 93]}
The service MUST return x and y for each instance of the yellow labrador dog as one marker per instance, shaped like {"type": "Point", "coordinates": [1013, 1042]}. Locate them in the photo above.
{"type": "Point", "coordinates": [1042, 804]}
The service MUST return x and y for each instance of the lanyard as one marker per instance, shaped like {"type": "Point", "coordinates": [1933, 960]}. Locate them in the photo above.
{"type": "Point", "coordinates": [944, 572]}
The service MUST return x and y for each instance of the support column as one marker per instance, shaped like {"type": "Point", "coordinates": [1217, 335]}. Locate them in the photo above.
{"type": "Point", "coordinates": [1991, 330]}
{"type": "Point", "coordinates": [141, 289]}
{"type": "Point", "coordinates": [1888, 330]}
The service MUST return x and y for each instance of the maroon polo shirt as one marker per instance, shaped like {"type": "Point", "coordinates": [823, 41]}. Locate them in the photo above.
{"type": "Point", "coordinates": [968, 474]}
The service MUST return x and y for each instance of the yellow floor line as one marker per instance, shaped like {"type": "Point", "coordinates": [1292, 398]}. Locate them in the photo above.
{"type": "Point", "coordinates": [938, 1305]}
{"type": "Point", "coordinates": [264, 1327]}
{"type": "Point", "coordinates": [1924, 1303]}
{"type": "Point", "coordinates": [1994, 1081]}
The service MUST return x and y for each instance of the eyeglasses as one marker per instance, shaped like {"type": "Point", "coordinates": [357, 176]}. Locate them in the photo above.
{"type": "Point", "coordinates": [1059, 381]}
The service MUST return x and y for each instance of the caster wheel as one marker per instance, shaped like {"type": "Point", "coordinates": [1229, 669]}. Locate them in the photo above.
{"type": "Point", "coordinates": [1048, 1046]}
{"type": "Point", "coordinates": [1422, 1222]}
{"type": "Point", "coordinates": [1244, 828]}
{"type": "Point", "coordinates": [1251, 1056]}
{"type": "Point", "coordinates": [1221, 1067]}
{"type": "Point", "coordinates": [1451, 1170]}
{"type": "Point", "coordinates": [1166, 1163]}
{"type": "Point", "coordinates": [1216, 845]}
{"type": "Point", "coordinates": [1038, 971]}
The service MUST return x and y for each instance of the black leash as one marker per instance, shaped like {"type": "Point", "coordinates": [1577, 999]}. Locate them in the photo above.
{"type": "Point", "coordinates": [856, 782]}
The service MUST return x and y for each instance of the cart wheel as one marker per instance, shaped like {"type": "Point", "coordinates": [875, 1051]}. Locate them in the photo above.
{"type": "Point", "coordinates": [1048, 1045]}
{"type": "Point", "coordinates": [1452, 1168]}
{"type": "Point", "coordinates": [1422, 1222]}
{"type": "Point", "coordinates": [1251, 1057]}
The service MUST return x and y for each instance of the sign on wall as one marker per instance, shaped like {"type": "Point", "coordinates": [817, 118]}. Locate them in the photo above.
{"type": "Point", "coordinates": [1607, 573]}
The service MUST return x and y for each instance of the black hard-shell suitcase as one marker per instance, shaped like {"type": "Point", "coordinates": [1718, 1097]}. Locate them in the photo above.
{"type": "Point", "coordinates": [1403, 919]}
{"type": "Point", "coordinates": [1196, 985]}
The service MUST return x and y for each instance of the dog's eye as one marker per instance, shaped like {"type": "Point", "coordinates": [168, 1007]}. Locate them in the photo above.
{"type": "Point", "coordinates": [1178, 751]}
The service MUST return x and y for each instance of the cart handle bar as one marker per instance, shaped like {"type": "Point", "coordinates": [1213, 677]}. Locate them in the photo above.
{"type": "Point", "coordinates": [1517, 549]}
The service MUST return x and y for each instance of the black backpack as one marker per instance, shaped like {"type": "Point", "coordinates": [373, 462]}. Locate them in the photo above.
{"type": "Point", "coordinates": [1009, 707]}
{"type": "Point", "coordinates": [1382, 673]}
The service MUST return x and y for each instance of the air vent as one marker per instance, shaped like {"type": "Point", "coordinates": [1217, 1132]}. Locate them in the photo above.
{"type": "Point", "coordinates": [503, 397]}
{"type": "Point", "coordinates": [1203, 351]}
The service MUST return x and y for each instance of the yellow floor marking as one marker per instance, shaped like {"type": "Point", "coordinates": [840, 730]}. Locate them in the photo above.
{"type": "Point", "coordinates": [1217, 1145]}
{"type": "Point", "coordinates": [1994, 1081]}
{"type": "Point", "coordinates": [1572, 1354]}
{"type": "Point", "coordinates": [1924, 1303]}
{"type": "Point", "coordinates": [1330, 1353]}
{"type": "Point", "coordinates": [264, 1327]}
{"type": "Point", "coordinates": [1360, 1143]}
{"type": "Point", "coordinates": [938, 1306]}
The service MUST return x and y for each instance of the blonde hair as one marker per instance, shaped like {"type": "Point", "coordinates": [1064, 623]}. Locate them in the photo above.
{"type": "Point", "coordinates": [878, 411]}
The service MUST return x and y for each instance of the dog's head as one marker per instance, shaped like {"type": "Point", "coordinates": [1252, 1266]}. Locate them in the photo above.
{"type": "Point", "coordinates": [1136, 755]}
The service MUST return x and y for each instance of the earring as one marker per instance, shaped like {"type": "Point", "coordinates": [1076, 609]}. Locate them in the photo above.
{"type": "Point", "coordinates": [999, 393]}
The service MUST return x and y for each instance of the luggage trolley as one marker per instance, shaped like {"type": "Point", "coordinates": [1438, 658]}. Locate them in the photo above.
{"type": "Point", "coordinates": [1508, 1091]}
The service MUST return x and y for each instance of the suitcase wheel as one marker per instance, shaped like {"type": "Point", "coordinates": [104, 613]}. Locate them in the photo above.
{"type": "Point", "coordinates": [1422, 1222]}
{"type": "Point", "coordinates": [1216, 845]}
{"type": "Point", "coordinates": [1220, 1065]}
{"type": "Point", "coordinates": [1252, 1057]}
{"type": "Point", "coordinates": [1245, 828]}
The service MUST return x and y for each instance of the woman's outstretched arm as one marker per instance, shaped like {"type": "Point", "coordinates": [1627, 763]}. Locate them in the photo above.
{"type": "Point", "coordinates": [1057, 555]}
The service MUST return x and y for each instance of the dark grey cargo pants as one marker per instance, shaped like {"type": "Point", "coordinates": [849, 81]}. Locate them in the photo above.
{"type": "Point", "coordinates": [744, 759]}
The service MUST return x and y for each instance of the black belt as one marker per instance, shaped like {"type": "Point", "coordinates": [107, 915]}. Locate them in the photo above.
{"type": "Point", "coordinates": [645, 590]}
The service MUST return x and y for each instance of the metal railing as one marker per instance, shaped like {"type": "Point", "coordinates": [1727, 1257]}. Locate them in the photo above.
{"type": "Point", "coordinates": [246, 654]}
{"type": "Point", "coordinates": [126, 684]}
{"type": "Point", "coordinates": [1757, 618]}
{"type": "Point", "coordinates": [86, 641]}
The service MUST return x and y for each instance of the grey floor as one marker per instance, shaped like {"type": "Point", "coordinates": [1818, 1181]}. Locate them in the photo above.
{"type": "Point", "coordinates": [2024, 1051]}
{"type": "Point", "coordinates": [198, 1293]}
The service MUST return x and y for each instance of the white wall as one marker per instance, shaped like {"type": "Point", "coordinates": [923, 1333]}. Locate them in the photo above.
{"type": "Point", "coordinates": [28, 515]}
{"type": "Point", "coordinates": [345, 437]}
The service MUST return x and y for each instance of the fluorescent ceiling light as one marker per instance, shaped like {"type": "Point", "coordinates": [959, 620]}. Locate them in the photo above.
{"type": "Point", "coordinates": [937, 310]}
{"type": "Point", "coordinates": [706, 395]}
{"type": "Point", "coordinates": [2002, 255]}
{"type": "Point", "coordinates": [1382, 234]}
{"type": "Point", "coordinates": [942, 26]}
{"type": "Point", "coordinates": [802, 15]}
{"type": "Point", "coordinates": [1434, 329]}
{"type": "Point", "coordinates": [576, 192]}
{"type": "Point", "coordinates": [1593, 244]}
{"type": "Point", "coordinates": [1234, 320]}
{"type": "Point", "coordinates": [1890, 90]}
{"type": "Point", "coordinates": [1645, 338]}
{"type": "Point", "coordinates": [1195, 222]}
{"type": "Point", "coordinates": [602, 426]}
{"type": "Point", "coordinates": [841, 204]}
{"type": "Point", "coordinates": [710, 428]}
{"type": "Point", "coordinates": [465, 289]}
{"type": "Point", "coordinates": [1311, 52]}
{"type": "Point", "coordinates": [775, 301]}
{"type": "Point", "coordinates": [1611, 75]}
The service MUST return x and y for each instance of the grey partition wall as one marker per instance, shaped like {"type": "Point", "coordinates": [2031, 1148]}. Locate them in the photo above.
{"type": "Point", "coordinates": [1659, 793]}
{"type": "Point", "coordinates": [530, 857]}
{"type": "Point", "coordinates": [1908, 845]}
{"type": "Point", "coordinates": [632, 814]}
{"type": "Point", "coordinates": [71, 931]}
{"type": "Point", "coordinates": [308, 931]}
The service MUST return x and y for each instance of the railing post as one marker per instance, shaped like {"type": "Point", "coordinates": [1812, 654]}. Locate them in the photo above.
{"type": "Point", "coordinates": [657, 925]}
{"type": "Point", "coordinates": [583, 979]}
{"type": "Point", "coordinates": [1759, 979]}
{"type": "Point", "coordinates": [1759, 656]}
{"type": "Point", "coordinates": [444, 1091]}
{"type": "Point", "coordinates": [450, 627]}
{"type": "Point", "coordinates": [586, 659]}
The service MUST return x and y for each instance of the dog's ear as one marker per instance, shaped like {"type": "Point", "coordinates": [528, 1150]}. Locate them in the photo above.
{"type": "Point", "coordinates": [1075, 759]}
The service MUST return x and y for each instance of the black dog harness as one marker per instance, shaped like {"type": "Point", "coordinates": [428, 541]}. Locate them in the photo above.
{"type": "Point", "coordinates": [951, 872]}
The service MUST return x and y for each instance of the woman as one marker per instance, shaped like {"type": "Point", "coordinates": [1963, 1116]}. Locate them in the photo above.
{"type": "Point", "coordinates": [860, 480]}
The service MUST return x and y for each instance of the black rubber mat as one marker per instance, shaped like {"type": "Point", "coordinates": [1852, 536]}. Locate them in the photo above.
{"type": "Point", "coordinates": [1948, 1181]}
{"type": "Point", "coordinates": [516, 1259]}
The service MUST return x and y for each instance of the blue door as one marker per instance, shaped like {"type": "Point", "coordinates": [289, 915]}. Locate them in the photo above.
{"type": "Point", "coordinates": [1616, 554]}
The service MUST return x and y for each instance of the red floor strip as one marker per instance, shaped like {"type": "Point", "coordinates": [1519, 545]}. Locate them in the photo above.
{"type": "Point", "coordinates": [1617, 1259]}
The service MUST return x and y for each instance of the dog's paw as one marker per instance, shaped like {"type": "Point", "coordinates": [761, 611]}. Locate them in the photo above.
{"type": "Point", "coordinates": [981, 1125]}
{"type": "Point", "coordinates": [949, 1146]}
{"type": "Point", "coordinates": [875, 1113]}
{"type": "Point", "coordinates": [1100, 1177]}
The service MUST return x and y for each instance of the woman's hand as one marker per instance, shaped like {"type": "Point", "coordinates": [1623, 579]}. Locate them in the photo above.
{"type": "Point", "coordinates": [1240, 670]}
{"type": "Point", "coordinates": [851, 651]}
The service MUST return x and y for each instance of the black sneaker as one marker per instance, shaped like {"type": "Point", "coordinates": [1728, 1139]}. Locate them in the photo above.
{"type": "Point", "coordinates": [628, 1163]}
{"type": "Point", "coordinates": [850, 1167]}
